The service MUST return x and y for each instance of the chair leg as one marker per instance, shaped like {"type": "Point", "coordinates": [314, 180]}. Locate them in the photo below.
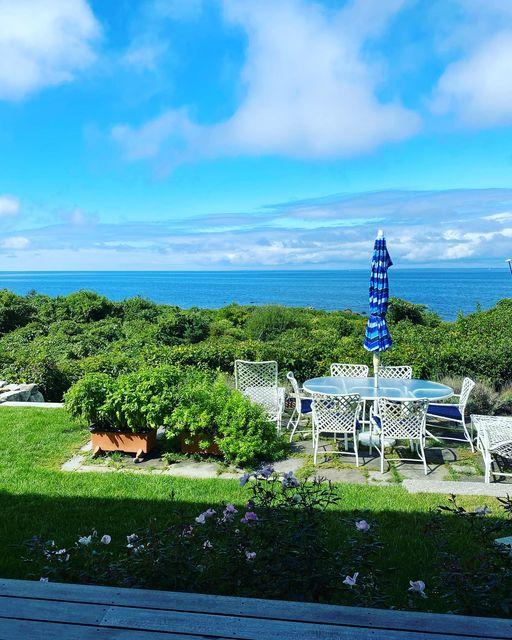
{"type": "Point", "coordinates": [382, 454]}
{"type": "Point", "coordinates": [487, 463]}
{"type": "Point", "coordinates": [295, 423]}
{"type": "Point", "coordinates": [315, 447]}
{"type": "Point", "coordinates": [423, 457]}
{"type": "Point", "coordinates": [356, 447]}
{"type": "Point", "coordinates": [469, 438]}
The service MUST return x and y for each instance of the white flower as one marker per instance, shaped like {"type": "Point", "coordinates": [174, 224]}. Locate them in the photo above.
{"type": "Point", "coordinates": [201, 518]}
{"type": "Point", "coordinates": [250, 555]}
{"type": "Point", "coordinates": [417, 586]}
{"type": "Point", "coordinates": [207, 545]}
{"type": "Point", "coordinates": [106, 539]}
{"type": "Point", "coordinates": [131, 538]}
{"type": "Point", "coordinates": [351, 580]}
{"type": "Point", "coordinates": [362, 525]}
{"type": "Point", "coordinates": [85, 540]}
{"type": "Point", "coordinates": [43, 580]}
{"type": "Point", "coordinates": [482, 511]}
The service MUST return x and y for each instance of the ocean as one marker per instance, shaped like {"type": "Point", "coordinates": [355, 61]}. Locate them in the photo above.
{"type": "Point", "coordinates": [446, 291]}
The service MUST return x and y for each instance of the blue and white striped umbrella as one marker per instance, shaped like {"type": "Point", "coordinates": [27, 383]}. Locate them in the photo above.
{"type": "Point", "coordinates": [377, 336]}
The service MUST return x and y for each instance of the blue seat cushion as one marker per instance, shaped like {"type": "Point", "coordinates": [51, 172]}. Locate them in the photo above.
{"type": "Point", "coordinates": [305, 405]}
{"type": "Point", "coordinates": [376, 419]}
{"type": "Point", "coordinates": [444, 411]}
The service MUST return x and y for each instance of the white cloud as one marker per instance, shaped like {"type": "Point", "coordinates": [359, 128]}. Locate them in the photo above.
{"type": "Point", "coordinates": [9, 205]}
{"type": "Point", "coordinates": [43, 43]}
{"type": "Point", "coordinates": [477, 85]}
{"type": "Point", "coordinates": [308, 89]}
{"type": "Point", "coordinates": [15, 242]}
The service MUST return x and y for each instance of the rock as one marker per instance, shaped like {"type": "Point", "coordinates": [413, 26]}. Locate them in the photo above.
{"type": "Point", "coordinates": [36, 396]}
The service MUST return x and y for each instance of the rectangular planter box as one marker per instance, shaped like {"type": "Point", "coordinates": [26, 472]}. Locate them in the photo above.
{"type": "Point", "coordinates": [193, 446]}
{"type": "Point", "coordinates": [138, 443]}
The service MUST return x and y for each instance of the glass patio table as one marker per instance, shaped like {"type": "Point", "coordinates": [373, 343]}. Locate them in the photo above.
{"type": "Point", "coordinates": [386, 388]}
{"type": "Point", "coordinates": [392, 389]}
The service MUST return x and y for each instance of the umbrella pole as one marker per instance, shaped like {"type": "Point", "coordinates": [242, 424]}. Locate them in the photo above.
{"type": "Point", "coordinates": [375, 370]}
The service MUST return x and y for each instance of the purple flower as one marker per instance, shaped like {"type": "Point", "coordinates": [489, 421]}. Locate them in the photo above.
{"type": "Point", "coordinates": [229, 512]}
{"type": "Point", "coordinates": [187, 531]}
{"type": "Point", "coordinates": [106, 539]}
{"type": "Point", "coordinates": [202, 517]}
{"type": "Point", "coordinates": [245, 479]}
{"type": "Point", "coordinates": [85, 540]}
{"type": "Point", "coordinates": [131, 538]}
{"type": "Point", "coordinates": [417, 586]}
{"type": "Point", "coordinates": [207, 545]}
{"type": "Point", "coordinates": [362, 525]}
{"type": "Point", "coordinates": [250, 555]}
{"type": "Point", "coordinates": [289, 480]}
{"type": "Point", "coordinates": [351, 580]}
{"type": "Point", "coordinates": [249, 517]}
{"type": "Point", "coordinates": [265, 472]}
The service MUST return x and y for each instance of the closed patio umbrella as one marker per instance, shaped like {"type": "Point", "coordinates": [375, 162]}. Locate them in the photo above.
{"type": "Point", "coordinates": [377, 338]}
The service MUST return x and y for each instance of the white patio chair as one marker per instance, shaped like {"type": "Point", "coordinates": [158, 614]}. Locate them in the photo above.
{"type": "Point", "coordinates": [395, 373]}
{"type": "Point", "coordinates": [302, 406]}
{"type": "Point", "coordinates": [348, 370]}
{"type": "Point", "coordinates": [494, 438]}
{"type": "Point", "coordinates": [454, 413]}
{"type": "Point", "coordinates": [333, 415]}
{"type": "Point", "coordinates": [400, 420]}
{"type": "Point", "coordinates": [258, 381]}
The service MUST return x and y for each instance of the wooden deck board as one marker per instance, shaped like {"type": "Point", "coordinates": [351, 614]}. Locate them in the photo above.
{"type": "Point", "coordinates": [47, 610]}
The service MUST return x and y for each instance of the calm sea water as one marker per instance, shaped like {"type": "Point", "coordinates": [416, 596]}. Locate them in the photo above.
{"type": "Point", "coordinates": [444, 291]}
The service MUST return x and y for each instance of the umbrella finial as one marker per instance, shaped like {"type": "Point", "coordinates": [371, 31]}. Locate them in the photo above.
{"type": "Point", "coordinates": [380, 234]}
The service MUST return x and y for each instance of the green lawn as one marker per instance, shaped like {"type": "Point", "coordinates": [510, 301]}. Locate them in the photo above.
{"type": "Point", "coordinates": [37, 498]}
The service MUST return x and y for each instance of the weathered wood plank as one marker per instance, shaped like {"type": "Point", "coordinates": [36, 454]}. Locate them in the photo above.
{"type": "Point", "coordinates": [11, 629]}
{"type": "Point", "coordinates": [193, 624]}
{"type": "Point", "coordinates": [270, 609]}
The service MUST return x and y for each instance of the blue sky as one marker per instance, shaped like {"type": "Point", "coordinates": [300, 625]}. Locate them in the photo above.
{"type": "Point", "coordinates": [217, 134]}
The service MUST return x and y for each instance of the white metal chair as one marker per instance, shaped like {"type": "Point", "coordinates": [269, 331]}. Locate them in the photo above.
{"type": "Point", "coordinates": [258, 381]}
{"type": "Point", "coordinates": [494, 439]}
{"type": "Point", "coordinates": [302, 406]}
{"type": "Point", "coordinates": [400, 420]}
{"type": "Point", "coordinates": [348, 370]}
{"type": "Point", "coordinates": [395, 373]}
{"type": "Point", "coordinates": [454, 413]}
{"type": "Point", "coordinates": [333, 415]}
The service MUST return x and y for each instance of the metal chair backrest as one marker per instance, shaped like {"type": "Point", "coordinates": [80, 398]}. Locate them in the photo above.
{"type": "Point", "coordinates": [395, 373]}
{"type": "Point", "coordinates": [348, 370]}
{"type": "Point", "coordinates": [336, 414]}
{"type": "Point", "coordinates": [402, 418]}
{"type": "Point", "coordinates": [296, 390]}
{"type": "Point", "coordinates": [467, 387]}
{"type": "Point", "coordinates": [258, 381]}
{"type": "Point", "coordinates": [493, 430]}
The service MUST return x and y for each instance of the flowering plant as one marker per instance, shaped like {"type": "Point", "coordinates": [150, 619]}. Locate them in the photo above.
{"type": "Point", "coordinates": [275, 545]}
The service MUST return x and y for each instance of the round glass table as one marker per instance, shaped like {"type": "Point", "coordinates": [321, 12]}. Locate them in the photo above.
{"type": "Point", "coordinates": [365, 387]}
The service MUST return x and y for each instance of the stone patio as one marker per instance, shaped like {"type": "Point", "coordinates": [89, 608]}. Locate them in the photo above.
{"type": "Point", "coordinates": [451, 469]}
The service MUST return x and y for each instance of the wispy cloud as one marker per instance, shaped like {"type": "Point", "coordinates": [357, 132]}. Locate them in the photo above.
{"type": "Point", "coordinates": [424, 228]}
{"type": "Point", "coordinates": [9, 205]}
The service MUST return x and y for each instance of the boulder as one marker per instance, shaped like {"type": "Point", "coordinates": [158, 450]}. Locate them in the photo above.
{"type": "Point", "coordinates": [20, 393]}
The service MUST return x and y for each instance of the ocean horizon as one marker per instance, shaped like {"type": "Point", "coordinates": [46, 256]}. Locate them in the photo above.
{"type": "Point", "coordinates": [446, 291]}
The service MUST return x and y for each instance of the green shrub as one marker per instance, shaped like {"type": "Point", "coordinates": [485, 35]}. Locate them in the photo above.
{"type": "Point", "coordinates": [86, 399]}
{"type": "Point", "coordinates": [267, 322]}
{"type": "Point", "coordinates": [416, 313]}
{"type": "Point", "coordinates": [15, 311]}
{"type": "Point", "coordinates": [182, 327]}
{"type": "Point", "coordinates": [217, 413]}
{"type": "Point", "coordinates": [143, 399]}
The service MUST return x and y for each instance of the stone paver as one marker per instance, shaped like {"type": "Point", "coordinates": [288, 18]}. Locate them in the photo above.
{"type": "Point", "coordinates": [497, 489]}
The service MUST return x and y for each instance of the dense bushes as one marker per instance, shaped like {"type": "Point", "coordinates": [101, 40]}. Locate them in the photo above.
{"type": "Point", "coordinates": [55, 341]}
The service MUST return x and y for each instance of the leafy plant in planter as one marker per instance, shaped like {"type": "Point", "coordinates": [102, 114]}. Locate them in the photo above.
{"type": "Point", "coordinates": [124, 414]}
{"type": "Point", "coordinates": [211, 417]}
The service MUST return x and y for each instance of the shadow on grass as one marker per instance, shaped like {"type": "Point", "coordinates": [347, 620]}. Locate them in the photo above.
{"type": "Point", "coordinates": [408, 552]}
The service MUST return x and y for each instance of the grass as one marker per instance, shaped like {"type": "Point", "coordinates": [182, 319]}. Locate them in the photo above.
{"type": "Point", "coordinates": [37, 498]}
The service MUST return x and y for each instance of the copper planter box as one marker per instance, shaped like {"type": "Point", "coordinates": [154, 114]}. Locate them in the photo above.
{"type": "Point", "coordinates": [138, 443]}
{"type": "Point", "coordinates": [192, 446]}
